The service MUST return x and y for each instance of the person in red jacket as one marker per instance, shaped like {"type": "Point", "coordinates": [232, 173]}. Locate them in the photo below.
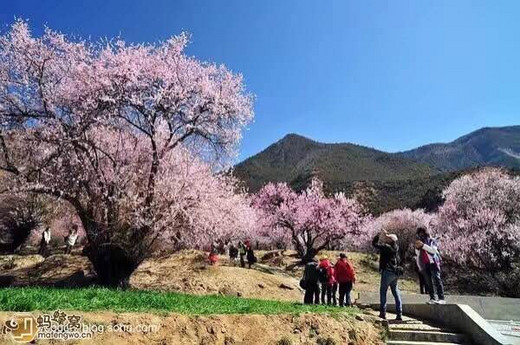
{"type": "Point", "coordinates": [346, 277]}
{"type": "Point", "coordinates": [332, 286]}
{"type": "Point", "coordinates": [324, 278]}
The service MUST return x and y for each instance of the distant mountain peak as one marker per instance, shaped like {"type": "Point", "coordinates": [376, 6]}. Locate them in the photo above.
{"type": "Point", "coordinates": [294, 136]}
{"type": "Point", "coordinates": [493, 146]}
{"type": "Point", "coordinates": [381, 180]}
{"type": "Point", "coordinates": [292, 158]}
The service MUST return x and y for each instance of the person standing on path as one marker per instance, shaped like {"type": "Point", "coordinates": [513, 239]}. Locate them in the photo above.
{"type": "Point", "coordinates": [250, 256]}
{"type": "Point", "coordinates": [310, 282]}
{"type": "Point", "coordinates": [71, 238]}
{"type": "Point", "coordinates": [242, 251]}
{"type": "Point", "coordinates": [346, 277]}
{"type": "Point", "coordinates": [332, 287]}
{"type": "Point", "coordinates": [429, 263]}
{"type": "Point", "coordinates": [423, 288]}
{"type": "Point", "coordinates": [323, 271]}
{"type": "Point", "coordinates": [233, 254]}
{"type": "Point", "coordinates": [45, 242]}
{"type": "Point", "coordinates": [390, 271]}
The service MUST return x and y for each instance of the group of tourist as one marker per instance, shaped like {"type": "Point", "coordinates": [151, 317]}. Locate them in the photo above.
{"type": "Point", "coordinates": [69, 239]}
{"type": "Point", "coordinates": [322, 280]}
{"type": "Point", "coordinates": [329, 278]}
{"type": "Point", "coordinates": [428, 264]}
{"type": "Point", "coordinates": [243, 252]}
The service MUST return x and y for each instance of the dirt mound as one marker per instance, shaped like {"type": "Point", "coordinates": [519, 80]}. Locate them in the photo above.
{"type": "Point", "coordinates": [189, 272]}
{"type": "Point", "coordinates": [228, 329]}
{"type": "Point", "coordinates": [56, 270]}
{"type": "Point", "coordinates": [17, 262]}
{"type": "Point", "coordinates": [276, 258]}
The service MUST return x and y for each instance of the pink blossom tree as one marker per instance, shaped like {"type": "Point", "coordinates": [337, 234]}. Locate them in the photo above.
{"type": "Point", "coordinates": [116, 130]}
{"type": "Point", "coordinates": [310, 220]}
{"type": "Point", "coordinates": [403, 223]}
{"type": "Point", "coordinates": [479, 225]}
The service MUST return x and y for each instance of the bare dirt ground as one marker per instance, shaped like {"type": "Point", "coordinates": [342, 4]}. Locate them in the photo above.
{"type": "Point", "coordinates": [276, 275]}
{"type": "Point", "coordinates": [189, 272]}
{"type": "Point", "coordinates": [224, 329]}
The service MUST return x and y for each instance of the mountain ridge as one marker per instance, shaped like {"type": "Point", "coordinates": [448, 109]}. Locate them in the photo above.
{"type": "Point", "coordinates": [487, 146]}
{"type": "Point", "coordinates": [381, 180]}
{"type": "Point", "coordinates": [294, 155]}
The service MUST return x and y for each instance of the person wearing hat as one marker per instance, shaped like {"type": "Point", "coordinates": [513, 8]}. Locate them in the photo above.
{"type": "Point", "coordinates": [429, 263]}
{"type": "Point", "coordinates": [324, 272]}
{"type": "Point", "coordinates": [346, 277]}
{"type": "Point", "coordinates": [390, 270]}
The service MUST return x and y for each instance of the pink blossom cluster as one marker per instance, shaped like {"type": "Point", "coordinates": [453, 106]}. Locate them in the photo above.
{"type": "Point", "coordinates": [479, 222]}
{"type": "Point", "coordinates": [310, 220]}
{"type": "Point", "coordinates": [131, 136]}
{"type": "Point", "coordinates": [403, 223]}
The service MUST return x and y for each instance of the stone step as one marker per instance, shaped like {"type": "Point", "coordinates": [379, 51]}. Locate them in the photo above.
{"type": "Point", "coordinates": [416, 327]}
{"type": "Point", "coordinates": [404, 342]}
{"type": "Point", "coordinates": [422, 335]}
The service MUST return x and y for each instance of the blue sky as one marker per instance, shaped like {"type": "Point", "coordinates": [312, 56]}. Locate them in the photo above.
{"type": "Point", "coordinates": [386, 74]}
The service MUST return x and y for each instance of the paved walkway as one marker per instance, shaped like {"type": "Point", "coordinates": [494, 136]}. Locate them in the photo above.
{"type": "Point", "coordinates": [502, 313]}
{"type": "Point", "coordinates": [490, 308]}
{"type": "Point", "coordinates": [411, 331]}
{"type": "Point", "coordinates": [509, 329]}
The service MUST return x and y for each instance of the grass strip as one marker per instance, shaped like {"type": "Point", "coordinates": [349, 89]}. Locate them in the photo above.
{"type": "Point", "coordinates": [25, 299]}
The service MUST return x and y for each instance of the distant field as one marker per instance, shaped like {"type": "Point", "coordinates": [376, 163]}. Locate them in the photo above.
{"type": "Point", "coordinates": [98, 299]}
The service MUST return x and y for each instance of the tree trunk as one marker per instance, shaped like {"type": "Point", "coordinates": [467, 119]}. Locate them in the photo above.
{"type": "Point", "coordinates": [19, 234]}
{"type": "Point", "coordinates": [309, 254]}
{"type": "Point", "coordinates": [113, 264]}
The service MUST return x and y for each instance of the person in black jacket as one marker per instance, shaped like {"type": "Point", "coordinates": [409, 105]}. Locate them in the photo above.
{"type": "Point", "coordinates": [233, 254]}
{"type": "Point", "coordinates": [389, 268]}
{"type": "Point", "coordinates": [242, 251]}
{"type": "Point", "coordinates": [310, 282]}
{"type": "Point", "coordinates": [250, 256]}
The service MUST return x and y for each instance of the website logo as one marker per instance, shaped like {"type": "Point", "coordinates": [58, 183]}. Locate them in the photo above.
{"type": "Point", "coordinates": [23, 328]}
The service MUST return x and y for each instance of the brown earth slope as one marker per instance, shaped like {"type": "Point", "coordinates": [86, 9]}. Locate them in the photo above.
{"type": "Point", "coordinates": [176, 329]}
{"type": "Point", "coordinates": [188, 272]}
{"type": "Point", "coordinates": [275, 276]}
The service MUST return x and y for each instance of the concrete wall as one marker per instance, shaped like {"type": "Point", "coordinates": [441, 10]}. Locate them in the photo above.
{"type": "Point", "coordinates": [459, 317]}
{"type": "Point", "coordinates": [490, 308]}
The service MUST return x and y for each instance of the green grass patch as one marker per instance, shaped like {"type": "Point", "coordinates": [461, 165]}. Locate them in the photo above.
{"type": "Point", "coordinates": [95, 299]}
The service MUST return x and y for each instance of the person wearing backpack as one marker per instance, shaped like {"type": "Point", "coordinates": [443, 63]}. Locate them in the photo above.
{"type": "Point", "coordinates": [346, 277]}
{"type": "Point", "coordinates": [310, 282]}
{"type": "Point", "coordinates": [390, 271]}
{"type": "Point", "coordinates": [429, 263]}
{"type": "Point", "coordinates": [323, 275]}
